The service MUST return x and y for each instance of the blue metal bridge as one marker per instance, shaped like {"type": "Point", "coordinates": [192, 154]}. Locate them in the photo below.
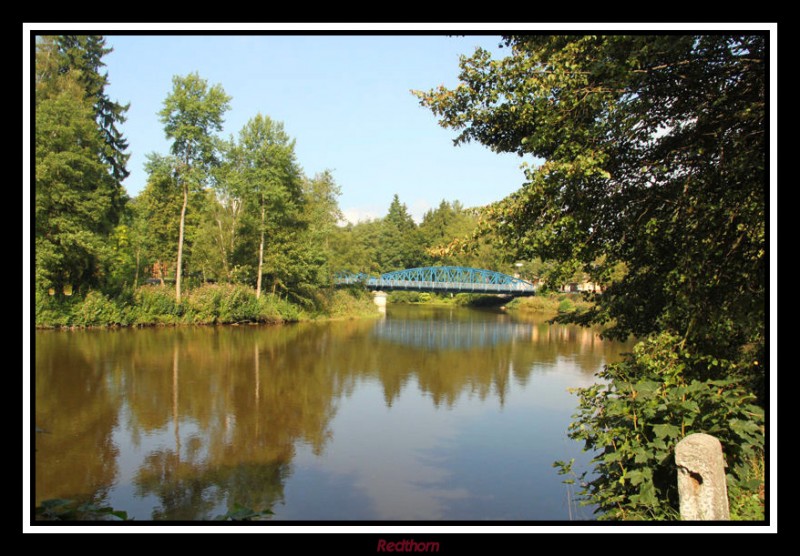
{"type": "Point", "coordinates": [442, 279]}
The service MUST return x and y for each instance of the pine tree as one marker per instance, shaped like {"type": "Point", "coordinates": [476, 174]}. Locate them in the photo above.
{"type": "Point", "coordinates": [84, 53]}
{"type": "Point", "coordinates": [78, 200]}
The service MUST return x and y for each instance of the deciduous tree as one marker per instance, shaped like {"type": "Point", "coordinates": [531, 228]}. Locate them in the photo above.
{"type": "Point", "coordinates": [654, 152]}
{"type": "Point", "coordinates": [192, 114]}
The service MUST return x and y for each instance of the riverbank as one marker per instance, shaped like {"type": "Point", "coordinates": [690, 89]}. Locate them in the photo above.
{"type": "Point", "coordinates": [206, 304]}
{"type": "Point", "coordinates": [551, 303]}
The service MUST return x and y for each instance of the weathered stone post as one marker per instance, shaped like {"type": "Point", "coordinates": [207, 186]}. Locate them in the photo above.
{"type": "Point", "coordinates": [702, 488]}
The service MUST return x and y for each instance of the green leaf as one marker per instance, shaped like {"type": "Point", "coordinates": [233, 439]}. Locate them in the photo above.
{"type": "Point", "coordinates": [666, 431]}
{"type": "Point", "coordinates": [635, 477]}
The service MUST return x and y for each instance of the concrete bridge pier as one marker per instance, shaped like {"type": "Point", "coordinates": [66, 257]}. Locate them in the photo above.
{"type": "Point", "coordinates": [379, 298]}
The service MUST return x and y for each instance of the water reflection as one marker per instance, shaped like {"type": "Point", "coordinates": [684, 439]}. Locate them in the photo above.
{"type": "Point", "coordinates": [435, 335]}
{"type": "Point", "coordinates": [183, 423]}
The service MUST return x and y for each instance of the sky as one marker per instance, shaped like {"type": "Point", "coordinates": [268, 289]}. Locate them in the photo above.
{"type": "Point", "coordinates": [345, 99]}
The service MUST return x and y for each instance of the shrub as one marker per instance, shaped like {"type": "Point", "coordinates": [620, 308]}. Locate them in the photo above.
{"type": "Point", "coordinates": [650, 401]}
{"type": "Point", "coordinates": [566, 306]}
{"type": "Point", "coordinates": [97, 310]}
{"type": "Point", "coordinates": [342, 303]}
{"type": "Point", "coordinates": [52, 311]}
{"type": "Point", "coordinates": [203, 304]}
{"type": "Point", "coordinates": [156, 304]}
{"type": "Point", "coordinates": [403, 297]}
{"type": "Point", "coordinates": [237, 304]}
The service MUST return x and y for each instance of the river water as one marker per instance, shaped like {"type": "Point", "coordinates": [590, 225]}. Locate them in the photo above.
{"type": "Point", "coordinates": [426, 414]}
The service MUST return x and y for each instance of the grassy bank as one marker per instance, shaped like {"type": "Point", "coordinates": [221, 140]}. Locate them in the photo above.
{"type": "Point", "coordinates": [206, 304]}
{"type": "Point", "coordinates": [546, 303]}
{"type": "Point", "coordinates": [428, 298]}
{"type": "Point", "coordinates": [550, 303]}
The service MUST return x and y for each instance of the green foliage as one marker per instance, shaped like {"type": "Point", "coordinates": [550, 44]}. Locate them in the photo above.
{"type": "Point", "coordinates": [401, 296]}
{"type": "Point", "coordinates": [69, 510]}
{"type": "Point", "coordinates": [237, 304]}
{"type": "Point", "coordinates": [77, 203]}
{"type": "Point", "coordinates": [203, 304]}
{"type": "Point", "coordinates": [84, 54]}
{"type": "Point", "coordinates": [645, 405]}
{"type": "Point", "coordinates": [400, 240]}
{"type": "Point", "coordinates": [746, 490]}
{"type": "Point", "coordinates": [551, 303]}
{"type": "Point", "coordinates": [272, 308]}
{"type": "Point", "coordinates": [53, 310]}
{"type": "Point", "coordinates": [349, 303]}
{"type": "Point", "coordinates": [192, 113]}
{"type": "Point", "coordinates": [97, 310]}
{"type": "Point", "coordinates": [653, 151]}
{"type": "Point", "coordinates": [241, 513]}
{"type": "Point", "coordinates": [79, 164]}
{"type": "Point", "coordinates": [156, 305]}
{"type": "Point", "coordinates": [566, 306]}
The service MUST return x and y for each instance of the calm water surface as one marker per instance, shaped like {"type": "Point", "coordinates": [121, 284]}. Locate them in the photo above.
{"type": "Point", "coordinates": [425, 414]}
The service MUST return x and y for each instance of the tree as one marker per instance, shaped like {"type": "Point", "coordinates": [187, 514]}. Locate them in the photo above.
{"type": "Point", "coordinates": [654, 151]}
{"type": "Point", "coordinates": [85, 54]}
{"type": "Point", "coordinates": [272, 180]}
{"type": "Point", "coordinates": [228, 207]}
{"type": "Point", "coordinates": [400, 241]}
{"type": "Point", "coordinates": [78, 200]}
{"type": "Point", "coordinates": [192, 112]}
{"type": "Point", "coordinates": [155, 209]}
{"type": "Point", "coordinates": [355, 247]}
{"type": "Point", "coordinates": [322, 215]}
{"type": "Point", "coordinates": [654, 159]}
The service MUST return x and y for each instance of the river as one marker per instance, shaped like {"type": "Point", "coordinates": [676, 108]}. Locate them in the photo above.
{"type": "Point", "coordinates": [426, 414]}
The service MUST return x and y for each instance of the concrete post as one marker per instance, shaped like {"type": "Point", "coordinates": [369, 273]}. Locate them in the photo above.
{"type": "Point", "coordinates": [380, 300]}
{"type": "Point", "coordinates": [702, 486]}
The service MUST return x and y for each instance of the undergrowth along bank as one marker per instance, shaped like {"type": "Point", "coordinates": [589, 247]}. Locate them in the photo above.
{"type": "Point", "coordinates": [206, 304]}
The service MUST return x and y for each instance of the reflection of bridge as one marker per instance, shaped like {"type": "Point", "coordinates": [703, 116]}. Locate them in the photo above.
{"type": "Point", "coordinates": [449, 334]}
{"type": "Point", "coordinates": [446, 279]}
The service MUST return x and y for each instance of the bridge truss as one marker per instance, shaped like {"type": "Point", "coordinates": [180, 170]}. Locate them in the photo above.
{"type": "Point", "coordinates": [445, 279]}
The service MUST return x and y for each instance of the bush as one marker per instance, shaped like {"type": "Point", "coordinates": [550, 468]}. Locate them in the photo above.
{"type": "Point", "coordinates": [566, 306]}
{"type": "Point", "coordinates": [156, 305]}
{"type": "Point", "coordinates": [203, 303]}
{"type": "Point", "coordinates": [403, 297]}
{"type": "Point", "coordinates": [97, 310]}
{"type": "Point", "coordinates": [237, 304]}
{"type": "Point", "coordinates": [650, 401]}
{"type": "Point", "coordinates": [343, 303]}
{"type": "Point", "coordinates": [52, 311]}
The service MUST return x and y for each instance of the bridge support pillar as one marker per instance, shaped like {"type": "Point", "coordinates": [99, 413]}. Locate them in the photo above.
{"type": "Point", "coordinates": [380, 300]}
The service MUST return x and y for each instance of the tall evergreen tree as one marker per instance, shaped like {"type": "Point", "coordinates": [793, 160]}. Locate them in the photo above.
{"type": "Point", "coordinates": [85, 53]}
{"type": "Point", "coordinates": [401, 243]}
{"type": "Point", "coordinates": [79, 200]}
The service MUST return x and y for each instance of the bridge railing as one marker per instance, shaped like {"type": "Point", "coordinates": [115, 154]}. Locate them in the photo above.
{"type": "Point", "coordinates": [434, 285]}
{"type": "Point", "coordinates": [475, 281]}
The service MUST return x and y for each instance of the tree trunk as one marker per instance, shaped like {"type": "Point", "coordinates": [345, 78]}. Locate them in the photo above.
{"type": "Point", "coordinates": [223, 250]}
{"type": "Point", "coordinates": [260, 256]}
{"type": "Point", "coordinates": [136, 276]}
{"type": "Point", "coordinates": [178, 271]}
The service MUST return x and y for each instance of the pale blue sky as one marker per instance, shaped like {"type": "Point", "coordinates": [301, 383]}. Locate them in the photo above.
{"type": "Point", "coordinates": [344, 98]}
